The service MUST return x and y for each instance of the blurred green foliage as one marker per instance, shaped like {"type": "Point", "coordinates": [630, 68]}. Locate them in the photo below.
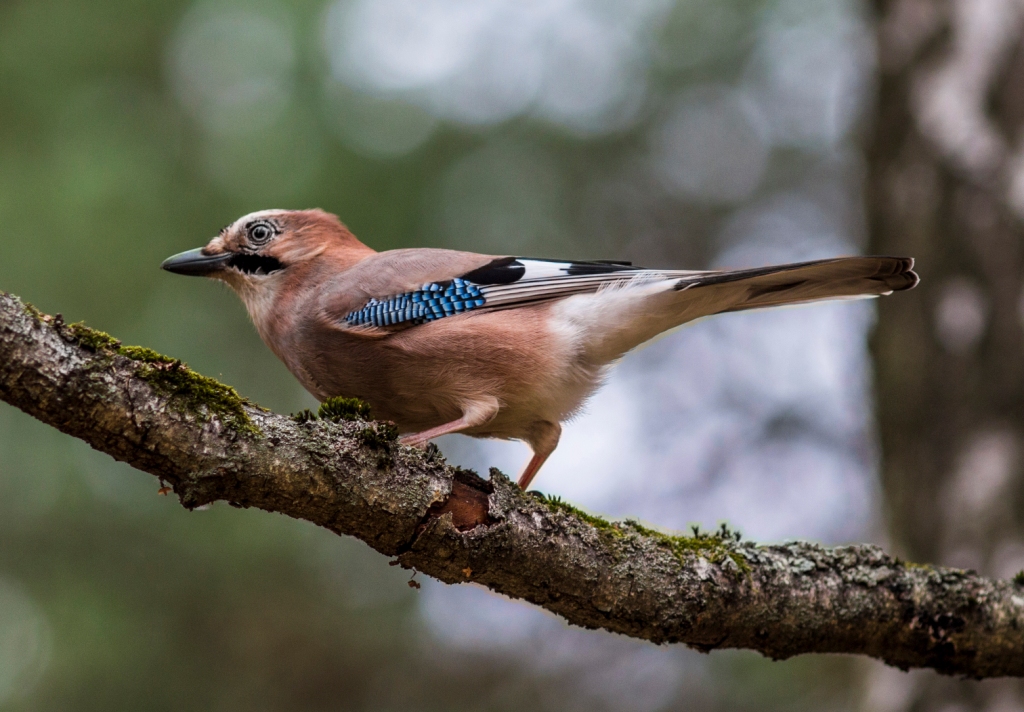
{"type": "Point", "coordinates": [142, 605]}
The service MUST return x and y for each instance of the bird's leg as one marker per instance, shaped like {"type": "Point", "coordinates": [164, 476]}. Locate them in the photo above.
{"type": "Point", "coordinates": [473, 414]}
{"type": "Point", "coordinates": [421, 439]}
{"type": "Point", "coordinates": [543, 440]}
{"type": "Point", "coordinates": [531, 469]}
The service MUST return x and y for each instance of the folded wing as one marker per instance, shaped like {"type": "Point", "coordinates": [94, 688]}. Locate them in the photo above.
{"type": "Point", "coordinates": [511, 282]}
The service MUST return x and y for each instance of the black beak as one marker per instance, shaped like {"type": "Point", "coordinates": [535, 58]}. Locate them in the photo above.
{"type": "Point", "coordinates": [195, 263]}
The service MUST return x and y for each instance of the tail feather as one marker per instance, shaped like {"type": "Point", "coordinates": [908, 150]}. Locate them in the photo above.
{"type": "Point", "coordinates": [840, 278]}
{"type": "Point", "coordinates": [618, 320]}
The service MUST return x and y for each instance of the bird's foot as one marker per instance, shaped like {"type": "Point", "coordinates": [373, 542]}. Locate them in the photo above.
{"type": "Point", "coordinates": [415, 440]}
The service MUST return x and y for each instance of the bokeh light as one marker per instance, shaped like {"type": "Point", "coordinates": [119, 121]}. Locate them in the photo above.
{"type": "Point", "coordinates": [712, 145]}
{"type": "Point", "coordinates": [233, 66]}
{"type": "Point", "coordinates": [24, 642]}
{"type": "Point", "coordinates": [577, 63]}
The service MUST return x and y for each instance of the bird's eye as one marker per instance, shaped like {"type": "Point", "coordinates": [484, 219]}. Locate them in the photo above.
{"type": "Point", "coordinates": [260, 232]}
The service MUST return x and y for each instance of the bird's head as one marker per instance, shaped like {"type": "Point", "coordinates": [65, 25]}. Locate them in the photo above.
{"type": "Point", "coordinates": [258, 250]}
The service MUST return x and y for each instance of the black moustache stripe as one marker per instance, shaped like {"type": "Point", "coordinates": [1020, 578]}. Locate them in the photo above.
{"type": "Point", "coordinates": [255, 264]}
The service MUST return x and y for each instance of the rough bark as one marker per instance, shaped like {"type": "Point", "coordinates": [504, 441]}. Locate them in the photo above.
{"type": "Point", "coordinates": [352, 477]}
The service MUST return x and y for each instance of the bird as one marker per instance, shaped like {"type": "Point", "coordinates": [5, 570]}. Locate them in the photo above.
{"type": "Point", "coordinates": [442, 341]}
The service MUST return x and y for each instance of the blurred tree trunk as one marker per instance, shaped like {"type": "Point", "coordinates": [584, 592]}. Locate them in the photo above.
{"type": "Point", "coordinates": [946, 185]}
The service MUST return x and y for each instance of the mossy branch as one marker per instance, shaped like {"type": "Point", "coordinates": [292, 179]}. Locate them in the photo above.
{"type": "Point", "coordinates": [344, 472]}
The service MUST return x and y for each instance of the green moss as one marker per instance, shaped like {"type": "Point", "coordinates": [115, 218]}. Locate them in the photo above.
{"type": "Point", "coordinates": [32, 311]}
{"type": "Point", "coordinates": [188, 390]}
{"type": "Point", "coordinates": [91, 338]}
{"type": "Point", "coordinates": [715, 547]}
{"type": "Point", "coordinates": [922, 567]}
{"type": "Point", "coordinates": [198, 394]}
{"type": "Point", "coordinates": [1018, 579]}
{"type": "Point", "coordinates": [336, 410]}
{"type": "Point", "coordinates": [96, 340]}
{"type": "Point", "coordinates": [340, 408]}
{"type": "Point", "coordinates": [557, 504]}
{"type": "Point", "coordinates": [380, 435]}
{"type": "Point", "coordinates": [141, 353]}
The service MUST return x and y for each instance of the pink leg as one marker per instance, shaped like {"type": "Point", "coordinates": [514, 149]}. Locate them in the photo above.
{"type": "Point", "coordinates": [531, 469]}
{"type": "Point", "coordinates": [474, 414]}
{"type": "Point", "coordinates": [544, 440]}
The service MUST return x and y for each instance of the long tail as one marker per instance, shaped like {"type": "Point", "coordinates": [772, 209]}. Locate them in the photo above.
{"type": "Point", "coordinates": [839, 278]}
{"type": "Point", "coordinates": [625, 318]}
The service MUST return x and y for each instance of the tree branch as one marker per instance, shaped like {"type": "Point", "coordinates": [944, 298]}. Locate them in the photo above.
{"type": "Point", "coordinates": [352, 477]}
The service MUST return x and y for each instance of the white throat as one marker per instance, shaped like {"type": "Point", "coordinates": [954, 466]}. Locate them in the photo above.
{"type": "Point", "coordinates": [259, 294]}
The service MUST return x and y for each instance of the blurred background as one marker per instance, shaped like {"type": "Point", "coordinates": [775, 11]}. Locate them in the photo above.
{"type": "Point", "coordinates": [674, 133]}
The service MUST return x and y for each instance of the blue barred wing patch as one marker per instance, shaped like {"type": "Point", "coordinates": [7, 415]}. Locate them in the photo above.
{"type": "Point", "coordinates": [429, 302]}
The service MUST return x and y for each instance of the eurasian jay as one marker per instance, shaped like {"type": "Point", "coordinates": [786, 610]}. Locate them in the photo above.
{"type": "Point", "coordinates": [492, 346]}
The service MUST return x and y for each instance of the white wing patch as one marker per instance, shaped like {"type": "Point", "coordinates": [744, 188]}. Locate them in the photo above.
{"type": "Point", "coordinates": [543, 269]}
{"type": "Point", "coordinates": [528, 290]}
